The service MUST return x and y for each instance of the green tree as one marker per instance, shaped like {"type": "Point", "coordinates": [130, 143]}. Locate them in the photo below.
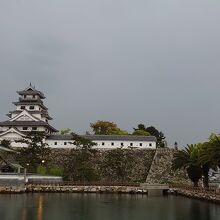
{"type": "Point", "coordinates": [107, 128]}
{"type": "Point", "coordinates": [205, 161]}
{"type": "Point", "coordinates": [119, 132]}
{"type": "Point", "coordinates": [35, 152]}
{"type": "Point", "coordinates": [154, 132]}
{"type": "Point", "coordinates": [65, 131]}
{"type": "Point", "coordinates": [141, 133]}
{"type": "Point", "coordinates": [6, 143]}
{"type": "Point", "coordinates": [188, 159]}
{"type": "Point", "coordinates": [213, 149]}
{"type": "Point", "coordinates": [79, 165]}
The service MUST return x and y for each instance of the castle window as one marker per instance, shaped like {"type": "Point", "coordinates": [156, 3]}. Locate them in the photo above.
{"type": "Point", "coordinates": [25, 96]}
{"type": "Point", "coordinates": [103, 143]}
{"type": "Point", "coordinates": [65, 143]}
{"type": "Point", "coordinates": [150, 144]}
{"type": "Point", "coordinates": [34, 128]}
{"type": "Point", "coordinates": [122, 144]}
{"type": "Point", "coordinates": [25, 128]}
{"type": "Point", "coordinates": [140, 144]}
{"type": "Point", "coordinates": [55, 143]}
{"type": "Point", "coordinates": [112, 143]}
{"type": "Point", "coordinates": [22, 107]}
{"type": "Point", "coordinates": [34, 96]}
{"type": "Point", "coordinates": [31, 107]}
{"type": "Point", "coordinates": [131, 144]}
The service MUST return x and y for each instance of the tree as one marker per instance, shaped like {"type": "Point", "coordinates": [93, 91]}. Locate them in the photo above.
{"type": "Point", "coordinates": [158, 134]}
{"type": "Point", "coordinates": [213, 149]}
{"type": "Point", "coordinates": [119, 132]}
{"type": "Point", "coordinates": [140, 127]}
{"type": "Point", "coordinates": [106, 128]}
{"type": "Point", "coordinates": [188, 159]}
{"type": "Point", "coordinates": [79, 165]}
{"type": "Point", "coordinates": [65, 131]}
{"type": "Point", "coordinates": [141, 133]}
{"type": "Point", "coordinates": [35, 152]}
{"type": "Point", "coordinates": [205, 161]}
{"type": "Point", "coordinates": [154, 132]}
{"type": "Point", "coordinates": [6, 143]}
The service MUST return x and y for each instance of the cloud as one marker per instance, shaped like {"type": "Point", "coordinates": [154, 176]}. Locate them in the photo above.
{"type": "Point", "coordinates": [152, 62]}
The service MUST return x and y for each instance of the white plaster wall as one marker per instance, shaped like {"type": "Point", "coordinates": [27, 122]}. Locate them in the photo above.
{"type": "Point", "coordinates": [107, 144]}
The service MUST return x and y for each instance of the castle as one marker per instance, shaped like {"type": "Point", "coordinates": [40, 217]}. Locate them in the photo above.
{"type": "Point", "coordinates": [32, 115]}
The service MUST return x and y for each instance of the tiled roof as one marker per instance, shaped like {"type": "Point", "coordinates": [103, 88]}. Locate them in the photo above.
{"type": "Point", "coordinates": [106, 137]}
{"type": "Point", "coordinates": [43, 113]}
{"type": "Point", "coordinates": [27, 123]}
{"type": "Point", "coordinates": [30, 90]}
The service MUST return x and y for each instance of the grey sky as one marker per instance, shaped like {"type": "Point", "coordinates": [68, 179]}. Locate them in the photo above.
{"type": "Point", "coordinates": [145, 61]}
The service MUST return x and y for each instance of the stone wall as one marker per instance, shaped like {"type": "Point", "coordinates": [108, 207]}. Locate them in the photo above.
{"type": "Point", "coordinates": [161, 172]}
{"type": "Point", "coordinates": [137, 167]}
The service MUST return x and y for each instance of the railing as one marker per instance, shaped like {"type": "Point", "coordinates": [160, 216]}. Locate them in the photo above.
{"type": "Point", "coordinates": [80, 183]}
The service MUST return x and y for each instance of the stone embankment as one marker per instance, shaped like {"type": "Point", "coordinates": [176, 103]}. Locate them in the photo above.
{"type": "Point", "coordinates": [86, 189]}
{"type": "Point", "coordinates": [73, 189]}
{"type": "Point", "coordinates": [161, 171]}
{"type": "Point", "coordinates": [12, 189]}
{"type": "Point", "coordinates": [210, 196]}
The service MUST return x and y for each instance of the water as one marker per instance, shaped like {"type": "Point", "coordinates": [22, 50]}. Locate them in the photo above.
{"type": "Point", "coordinates": [104, 207]}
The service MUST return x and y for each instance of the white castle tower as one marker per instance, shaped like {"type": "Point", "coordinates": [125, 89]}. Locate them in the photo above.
{"type": "Point", "coordinates": [30, 115]}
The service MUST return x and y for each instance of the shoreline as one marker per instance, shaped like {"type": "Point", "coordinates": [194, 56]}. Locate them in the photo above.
{"type": "Point", "coordinates": [208, 196]}
{"type": "Point", "coordinates": [73, 189]}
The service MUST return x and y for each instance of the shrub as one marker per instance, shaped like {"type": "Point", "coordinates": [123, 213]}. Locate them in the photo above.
{"type": "Point", "coordinates": [56, 171]}
{"type": "Point", "coordinates": [41, 170]}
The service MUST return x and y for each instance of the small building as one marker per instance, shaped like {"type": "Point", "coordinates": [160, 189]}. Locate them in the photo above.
{"type": "Point", "coordinates": [105, 141]}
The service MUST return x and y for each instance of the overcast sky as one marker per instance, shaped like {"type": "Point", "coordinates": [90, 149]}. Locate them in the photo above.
{"type": "Point", "coordinates": [129, 61]}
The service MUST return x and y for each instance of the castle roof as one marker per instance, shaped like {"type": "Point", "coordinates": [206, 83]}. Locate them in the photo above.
{"type": "Point", "coordinates": [28, 123]}
{"type": "Point", "coordinates": [43, 113]}
{"type": "Point", "coordinates": [105, 137]}
{"type": "Point", "coordinates": [30, 90]}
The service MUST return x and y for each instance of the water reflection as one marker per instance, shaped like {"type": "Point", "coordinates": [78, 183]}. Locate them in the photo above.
{"type": "Point", "coordinates": [24, 213]}
{"type": "Point", "coordinates": [107, 207]}
{"type": "Point", "coordinates": [40, 207]}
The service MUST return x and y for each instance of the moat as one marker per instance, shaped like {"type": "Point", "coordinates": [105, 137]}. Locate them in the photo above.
{"type": "Point", "coordinates": [104, 207]}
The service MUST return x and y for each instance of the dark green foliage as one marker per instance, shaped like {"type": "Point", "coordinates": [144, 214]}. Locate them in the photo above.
{"type": "Point", "coordinates": [79, 165]}
{"type": "Point", "coordinates": [153, 132]}
{"type": "Point", "coordinates": [42, 170]}
{"type": "Point", "coordinates": [35, 151]}
{"type": "Point", "coordinates": [213, 150]}
{"type": "Point", "coordinates": [141, 133]}
{"type": "Point", "coordinates": [194, 173]}
{"type": "Point", "coordinates": [6, 143]}
{"type": "Point", "coordinates": [55, 171]}
{"type": "Point", "coordinates": [188, 159]}
{"type": "Point", "coordinates": [65, 131]}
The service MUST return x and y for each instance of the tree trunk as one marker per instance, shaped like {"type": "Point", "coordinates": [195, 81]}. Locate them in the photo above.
{"type": "Point", "coordinates": [205, 171]}
{"type": "Point", "coordinates": [196, 184]}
